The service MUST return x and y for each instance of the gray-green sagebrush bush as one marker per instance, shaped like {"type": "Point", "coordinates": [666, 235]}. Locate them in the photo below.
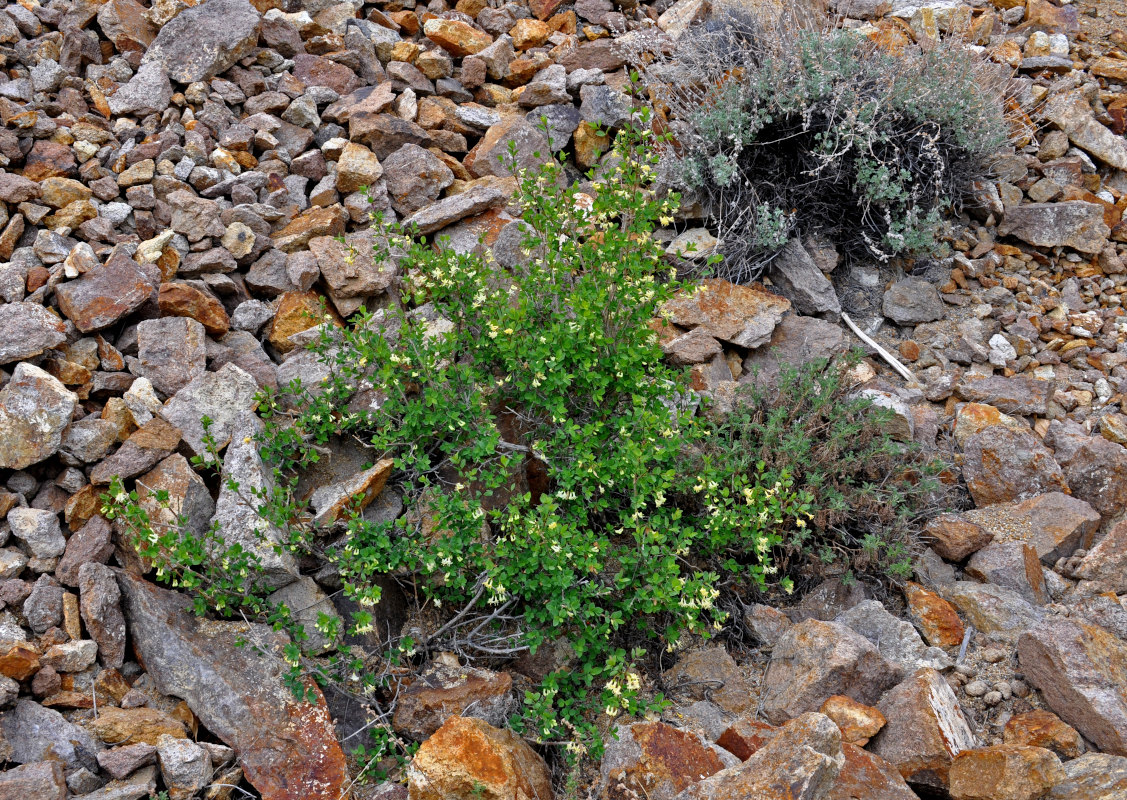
{"type": "Point", "coordinates": [783, 129]}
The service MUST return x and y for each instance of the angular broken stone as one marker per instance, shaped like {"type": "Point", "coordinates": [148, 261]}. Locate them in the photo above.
{"type": "Point", "coordinates": [171, 352]}
{"type": "Point", "coordinates": [814, 660]}
{"type": "Point", "coordinates": [1079, 670]}
{"type": "Point", "coordinates": [1004, 772]}
{"type": "Point", "coordinates": [1076, 224]}
{"type": "Point", "coordinates": [333, 503]}
{"type": "Point", "coordinates": [415, 178]}
{"type": "Point", "coordinates": [100, 604]}
{"type": "Point", "coordinates": [745, 316]}
{"type": "Point", "coordinates": [147, 92]}
{"type": "Point", "coordinates": [349, 267]}
{"type": "Point", "coordinates": [1014, 395]}
{"type": "Point", "coordinates": [992, 609]}
{"type": "Point", "coordinates": [799, 280]}
{"type": "Point", "coordinates": [42, 780]}
{"type": "Point", "coordinates": [1092, 776]}
{"type": "Point", "coordinates": [103, 296]}
{"type": "Point", "coordinates": [1001, 465]}
{"type": "Point", "coordinates": [26, 330]}
{"type": "Point", "coordinates": [911, 301]}
{"type": "Point", "coordinates": [222, 396]}
{"type": "Point", "coordinates": [925, 729]}
{"type": "Point", "coordinates": [656, 760]}
{"type": "Point", "coordinates": [1041, 728]}
{"type": "Point", "coordinates": [895, 639]}
{"type": "Point", "coordinates": [35, 733]}
{"type": "Point", "coordinates": [1053, 524]}
{"type": "Point", "coordinates": [201, 42]}
{"type": "Point", "coordinates": [287, 747]}
{"type": "Point", "coordinates": [475, 199]}
{"type": "Point", "coordinates": [442, 692]}
{"type": "Point", "coordinates": [713, 674]}
{"type": "Point", "coordinates": [1095, 467]}
{"type": "Point", "coordinates": [39, 530]}
{"type": "Point", "coordinates": [35, 409]}
{"type": "Point", "coordinates": [937, 619]}
{"type": "Point", "coordinates": [236, 511]}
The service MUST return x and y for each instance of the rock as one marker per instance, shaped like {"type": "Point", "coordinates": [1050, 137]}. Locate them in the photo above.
{"type": "Point", "coordinates": [130, 726]}
{"type": "Point", "coordinates": [104, 296]}
{"type": "Point", "coordinates": [1040, 728]}
{"type": "Point", "coordinates": [476, 199]}
{"type": "Point", "coordinates": [172, 352]}
{"type": "Point", "coordinates": [1001, 465]}
{"type": "Point", "coordinates": [349, 268]}
{"type": "Point", "coordinates": [468, 759]}
{"type": "Point", "coordinates": [1054, 524]}
{"type": "Point", "coordinates": [146, 446]}
{"type": "Point", "coordinates": [73, 656]}
{"type": "Point", "coordinates": [814, 660]}
{"type": "Point", "coordinates": [179, 299]}
{"type": "Point", "coordinates": [223, 396]}
{"type": "Point", "coordinates": [767, 623]}
{"type": "Point", "coordinates": [1011, 565]}
{"type": "Point", "coordinates": [35, 733]}
{"type": "Point", "coordinates": [1106, 563]}
{"type": "Point", "coordinates": [306, 603]}
{"type": "Point", "coordinates": [286, 746]}
{"type": "Point", "coordinates": [123, 761]}
{"type": "Point", "coordinates": [936, 619]}
{"type": "Point", "coordinates": [745, 736]}
{"type": "Point", "coordinates": [1004, 772]}
{"type": "Point", "coordinates": [1076, 224]}
{"type": "Point", "coordinates": [357, 167]}
{"type": "Point", "coordinates": [801, 762]}
{"type": "Point", "coordinates": [442, 692]}
{"type": "Point", "coordinates": [711, 674]}
{"type": "Point", "coordinates": [1095, 468]}
{"type": "Point", "coordinates": [147, 92]}
{"type": "Point", "coordinates": [796, 341]}
{"type": "Point", "coordinates": [799, 280]}
{"type": "Point", "coordinates": [201, 42]}
{"type": "Point", "coordinates": [100, 603]}
{"type": "Point", "coordinates": [896, 640]}
{"type": "Point", "coordinates": [911, 301]}
{"type": "Point", "coordinates": [1071, 112]}
{"type": "Point", "coordinates": [26, 330]}
{"type": "Point", "coordinates": [925, 729]}
{"type": "Point", "coordinates": [42, 780]}
{"type": "Point", "coordinates": [493, 154]}
{"type": "Point", "coordinates": [194, 217]}
{"type": "Point", "coordinates": [1080, 670]}
{"type": "Point", "coordinates": [236, 511]}
{"type": "Point", "coordinates": [35, 409]}
{"type": "Point", "coordinates": [1092, 776]}
{"type": "Point", "coordinates": [139, 786]}
{"type": "Point", "coordinates": [184, 765]}
{"type": "Point", "coordinates": [1014, 395]}
{"type": "Point", "coordinates": [43, 608]}
{"type": "Point", "coordinates": [415, 178]}
{"type": "Point", "coordinates": [17, 189]}
{"type": "Point", "coordinates": [314, 222]}
{"type": "Point", "coordinates": [655, 760]}
{"type": "Point", "coordinates": [992, 609]}
{"type": "Point", "coordinates": [857, 721]}
{"type": "Point", "coordinates": [19, 660]}
{"type": "Point", "coordinates": [39, 530]}
{"type": "Point", "coordinates": [745, 316]}
{"type": "Point", "coordinates": [458, 38]}
{"type": "Point", "coordinates": [954, 537]}
{"type": "Point", "coordinates": [333, 503]}
{"type": "Point", "coordinates": [865, 775]}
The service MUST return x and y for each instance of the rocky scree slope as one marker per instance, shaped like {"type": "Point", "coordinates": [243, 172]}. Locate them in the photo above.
{"type": "Point", "coordinates": [174, 177]}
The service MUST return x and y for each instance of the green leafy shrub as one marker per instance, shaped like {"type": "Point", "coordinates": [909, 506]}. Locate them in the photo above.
{"type": "Point", "coordinates": [794, 129]}
{"type": "Point", "coordinates": [557, 482]}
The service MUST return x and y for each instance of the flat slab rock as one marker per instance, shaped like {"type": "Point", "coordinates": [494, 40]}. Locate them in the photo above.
{"type": "Point", "coordinates": [286, 747]}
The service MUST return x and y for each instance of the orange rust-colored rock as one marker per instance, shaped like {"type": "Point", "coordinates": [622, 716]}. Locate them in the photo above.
{"type": "Point", "coordinates": [1041, 728]}
{"type": "Point", "coordinates": [179, 299]}
{"type": "Point", "coordinates": [652, 759]}
{"type": "Point", "coordinates": [133, 725]}
{"type": "Point", "coordinates": [468, 759]}
{"type": "Point", "coordinates": [19, 661]}
{"type": "Point", "coordinates": [865, 776]}
{"type": "Point", "coordinates": [745, 736]}
{"type": "Point", "coordinates": [954, 538]}
{"type": "Point", "coordinates": [442, 692]}
{"type": "Point", "coordinates": [857, 721]}
{"type": "Point", "coordinates": [938, 620]}
{"type": "Point", "coordinates": [458, 38]}
{"type": "Point", "coordinates": [297, 311]}
{"type": "Point", "coordinates": [742, 315]}
{"type": "Point", "coordinates": [1004, 772]}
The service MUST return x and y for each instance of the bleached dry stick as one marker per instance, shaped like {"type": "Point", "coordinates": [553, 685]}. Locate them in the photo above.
{"type": "Point", "coordinates": [905, 373]}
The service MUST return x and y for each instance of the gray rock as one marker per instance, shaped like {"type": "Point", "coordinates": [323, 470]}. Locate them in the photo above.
{"type": "Point", "coordinates": [799, 280]}
{"type": "Point", "coordinates": [448, 210]}
{"type": "Point", "coordinates": [1092, 776]}
{"type": "Point", "coordinates": [39, 530]}
{"type": "Point", "coordinates": [911, 301]}
{"type": "Point", "coordinates": [90, 439]}
{"type": "Point", "coordinates": [26, 330]}
{"type": "Point", "coordinates": [236, 511]}
{"type": "Point", "coordinates": [230, 675]}
{"type": "Point", "coordinates": [184, 765]}
{"type": "Point", "coordinates": [201, 42]}
{"type": "Point", "coordinates": [35, 409]}
{"type": "Point", "coordinates": [222, 396]}
{"type": "Point", "coordinates": [992, 609]}
{"type": "Point", "coordinates": [814, 660]}
{"type": "Point", "coordinates": [895, 639]}
{"type": "Point", "coordinates": [35, 733]}
{"type": "Point", "coordinates": [121, 762]}
{"type": "Point", "coordinates": [9, 693]}
{"type": "Point", "coordinates": [72, 656]}
{"type": "Point", "coordinates": [251, 315]}
{"type": "Point", "coordinates": [172, 351]}
{"type": "Point", "coordinates": [148, 92]}
{"type": "Point", "coordinates": [1094, 467]}
{"type": "Point", "coordinates": [306, 602]}
{"type": "Point", "coordinates": [138, 786]}
{"type": "Point", "coordinates": [100, 605]}
{"type": "Point", "coordinates": [415, 177]}
{"type": "Point", "coordinates": [795, 341]}
{"type": "Point", "coordinates": [42, 780]}
{"type": "Point", "coordinates": [561, 119]}
{"type": "Point", "coordinates": [603, 106]}
{"type": "Point", "coordinates": [1076, 224]}
{"type": "Point", "coordinates": [43, 608]}
{"type": "Point", "coordinates": [547, 87]}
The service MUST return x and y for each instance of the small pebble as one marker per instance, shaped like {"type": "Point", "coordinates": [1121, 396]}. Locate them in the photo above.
{"type": "Point", "coordinates": [1019, 688]}
{"type": "Point", "coordinates": [992, 698]}
{"type": "Point", "coordinates": [976, 688]}
{"type": "Point", "coordinates": [967, 670]}
{"type": "Point", "coordinates": [994, 655]}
